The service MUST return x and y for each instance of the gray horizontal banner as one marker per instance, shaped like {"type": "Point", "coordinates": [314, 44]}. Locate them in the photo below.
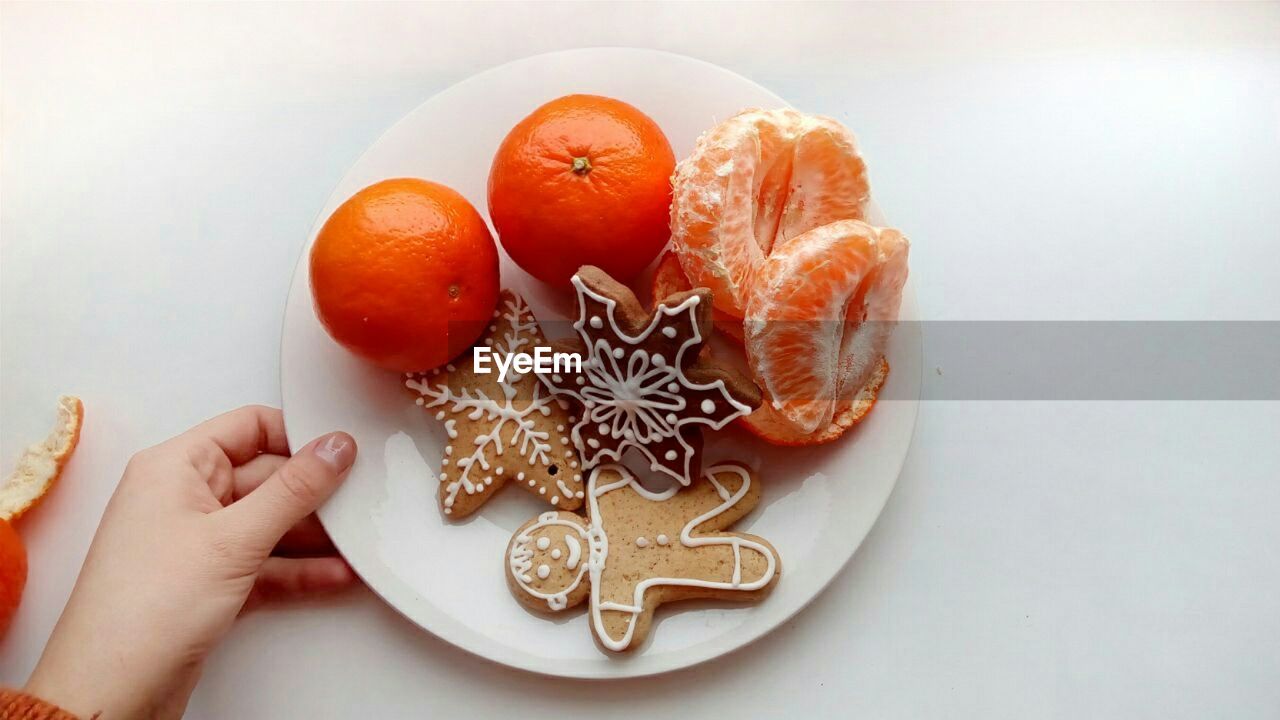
{"type": "Point", "coordinates": [1073, 360]}
{"type": "Point", "coordinates": [1102, 360]}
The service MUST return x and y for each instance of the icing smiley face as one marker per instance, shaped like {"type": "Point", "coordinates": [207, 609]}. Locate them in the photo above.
{"type": "Point", "coordinates": [549, 559]}
{"type": "Point", "coordinates": [643, 384]}
{"type": "Point", "coordinates": [643, 549]}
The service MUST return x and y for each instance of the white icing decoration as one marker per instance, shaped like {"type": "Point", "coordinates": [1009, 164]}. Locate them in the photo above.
{"type": "Point", "coordinates": [514, 429]}
{"type": "Point", "coordinates": [669, 331]}
{"type": "Point", "coordinates": [543, 572]}
{"type": "Point", "coordinates": [686, 539]}
{"type": "Point", "coordinates": [671, 455]}
{"type": "Point", "coordinates": [520, 556]}
{"type": "Point", "coordinates": [597, 323]}
{"type": "Point", "coordinates": [633, 401]}
{"type": "Point", "coordinates": [575, 551]}
{"type": "Point", "coordinates": [544, 543]}
{"type": "Point", "coordinates": [555, 554]}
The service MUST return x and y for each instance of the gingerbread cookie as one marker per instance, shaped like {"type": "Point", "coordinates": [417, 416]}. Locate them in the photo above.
{"type": "Point", "coordinates": [637, 549]}
{"type": "Point", "coordinates": [500, 432]}
{"type": "Point", "coordinates": [642, 383]}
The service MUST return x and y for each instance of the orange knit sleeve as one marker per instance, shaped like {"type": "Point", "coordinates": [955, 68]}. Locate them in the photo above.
{"type": "Point", "coordinates": [21, 706]}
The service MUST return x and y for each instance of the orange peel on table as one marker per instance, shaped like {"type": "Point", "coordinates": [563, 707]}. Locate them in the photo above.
{"type": "Point", "coordinates": [41, 464]}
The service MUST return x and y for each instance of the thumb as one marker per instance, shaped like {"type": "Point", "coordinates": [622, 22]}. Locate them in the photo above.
{"type": "Point", "coordinates": [295, 489]}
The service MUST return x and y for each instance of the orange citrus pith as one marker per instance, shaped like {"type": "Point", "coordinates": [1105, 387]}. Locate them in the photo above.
{"type": "Point", "coordinates": [13, 573]}
{"type": "Point", "coordinates": [752, 184]}
{"type": "Point", "coordinates": [405, 274]}
{"type": "Point", "coordinates": [583, 180]}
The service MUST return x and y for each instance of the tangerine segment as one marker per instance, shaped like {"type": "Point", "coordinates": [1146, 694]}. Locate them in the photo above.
{"type": "Point", "coordinates": [820, 314]}
{"type": "Point", "coordinates": [752, 184]}
{"type": "Point", "coordinates": [768, 425]}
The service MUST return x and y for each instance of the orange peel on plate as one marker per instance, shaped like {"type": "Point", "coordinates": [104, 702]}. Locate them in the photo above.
{"type": "Point", "coordinates": [41, 464]}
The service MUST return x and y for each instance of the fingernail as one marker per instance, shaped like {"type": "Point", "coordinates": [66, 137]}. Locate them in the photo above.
{"type": "Point", "coordinates": [337, 450]}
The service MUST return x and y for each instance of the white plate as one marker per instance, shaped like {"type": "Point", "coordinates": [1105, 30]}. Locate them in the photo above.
{"type": "Point", "coordinates": [818, 503]}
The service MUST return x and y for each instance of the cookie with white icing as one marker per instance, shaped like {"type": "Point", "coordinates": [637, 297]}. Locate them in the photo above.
{"type": "Point", "coordinates": [644, 382]}
{"type": "Point", "coordinates": [638, 549]}
{"type": "Point", "coordinates": [500, 432]}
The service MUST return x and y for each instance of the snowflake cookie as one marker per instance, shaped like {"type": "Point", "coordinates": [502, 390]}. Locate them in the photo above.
{"type": "Point", "coordinates": [637, 549]}
{"type": "Point", "coordinates": [500, 432]}
{"type": "Point", "coordinates": [643, 383]}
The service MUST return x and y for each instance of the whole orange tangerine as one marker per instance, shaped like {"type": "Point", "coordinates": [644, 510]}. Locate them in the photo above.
{"type": "Point", "coordinates": [583, 180]}
{"type": "Point", "coordinates": [405, 274]}
{"type": "Point", "coordinates": [13, 573]}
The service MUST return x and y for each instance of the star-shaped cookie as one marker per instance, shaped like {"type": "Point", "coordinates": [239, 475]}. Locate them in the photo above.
{"type": "Point", "coordinates": [642, 383]}
{"type": "Point", "coordinates": [500, 432]}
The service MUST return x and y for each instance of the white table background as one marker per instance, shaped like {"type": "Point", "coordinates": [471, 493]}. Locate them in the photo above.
{"type": "Point", "coordinates": [162, 164]}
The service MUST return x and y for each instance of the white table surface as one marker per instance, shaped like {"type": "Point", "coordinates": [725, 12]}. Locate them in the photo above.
{"type": "Point", "coordinates": [161, 165]}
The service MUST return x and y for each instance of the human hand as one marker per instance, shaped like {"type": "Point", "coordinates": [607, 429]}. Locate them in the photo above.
{"type": "Point", "coordinates": [199, 527]}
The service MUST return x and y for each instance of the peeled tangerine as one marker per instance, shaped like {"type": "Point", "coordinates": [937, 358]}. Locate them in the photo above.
{"type": "Point", "coordinates": [819, 315]}
{"type": "Point", "coordinates": [753, 184]}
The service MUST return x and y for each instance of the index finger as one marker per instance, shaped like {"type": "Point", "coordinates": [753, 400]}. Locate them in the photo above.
{"type": "Point", "coordinates": [245, 432]}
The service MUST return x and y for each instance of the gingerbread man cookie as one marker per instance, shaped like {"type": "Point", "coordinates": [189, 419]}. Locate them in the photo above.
{"type": "Point", "coordinates": [637, 549]}
{"type": "Point", "coordinates": [642, 383]}
{"type": "Point", "coordinates": [500, 432]}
